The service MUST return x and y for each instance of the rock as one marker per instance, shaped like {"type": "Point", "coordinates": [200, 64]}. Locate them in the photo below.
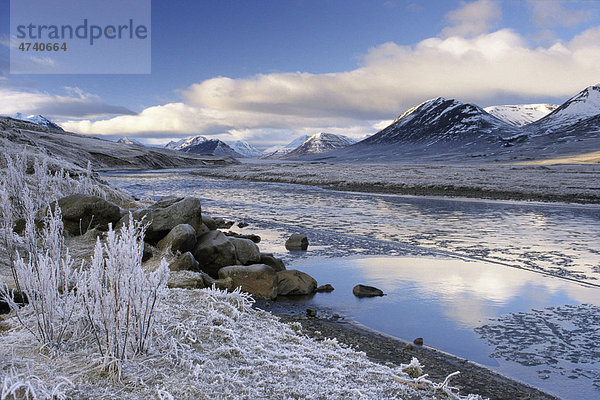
{"type": "Point", "coordinates": [167, 214]}
{"type": "Point", "coordinates": [272, 261]}
{"type": "Point", "coordinates": [258, 279]}
{"type": "Point", "coordinates": [325, 288]}
{"type": "Point", "coordinates": [209, 222]}
{"type": "Point", "coordinates": [297, 242]}
{"type": "Point", "coordinates": [335, 316]}
{"type": "Point", "coordinates": [242, 224]}
{"type": "Point", "coordinates": [167, 201]}
{"type": "Point", "coordinates": [311, 313]}
{"type": "Point", "coordinates": [181, 238]}
{"type": "Point", "coordinates": [186, 280]}
{"type": "Point", "coordinates": [295, 283]}
{"type": "Point", "coordinates": [214, 251]}
{"type": "Point", "coordinates": [184, 262]}
{"type": "Point", "coordinates": [366, 291]}
{"type": "Point", "coordinates": [246, 251]}
{"type": "Point", "coordinates": [81, 212]}
{"type": "Point", "coordinates": [20, 223]}
{"type": "Point", "coordinates": [222, 223]}
{"type": "Point", "coordinates": [251, 236]}
{"type": "Point", "coordinates": [223, 284]}
{"type": "Point", "coordinates": [148, 253]}
{"type": "Point", "coordinates": [418, 341]}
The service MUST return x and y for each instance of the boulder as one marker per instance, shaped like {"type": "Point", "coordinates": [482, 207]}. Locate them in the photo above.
{"type": "Point", "coordinates": [167, 201]}
{"type": "Point", "coordinates": [214, 251]}
{"type": "Point", "coordinates": [258, 279]}
{"type": "Point", "coordinates": [246, 251]}
{"type": "Point", "coordinates": [181, 238]}
{"type": "Point", "coordinates": [221, 223]}
{"type": "Point", "coordinates": [186, 280]}
{"type": "Point", "coordinates": [209, 222]}
{"type": "Point", "coordinates": [272, 261]}
{"type": "Point", "coordinates": [81, 212]}
{"type": "Point", "coordinates": [251, 236]}
{"type": "Point", "coordinates": [325, 288]}
{"type": "Point", "coordinates": [366, 291]}
{"type": "Point", "coordinates": [167, 214]}
{"type": "Point", "coordinates": [297, 242]}
{"type": "Point", "coordinates": [184, 262]}
{"type": "Point", "coordinates": [295, 283]}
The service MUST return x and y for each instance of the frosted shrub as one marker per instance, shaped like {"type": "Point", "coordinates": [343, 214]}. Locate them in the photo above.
{"type": "Point", "coordinates": [47, 279]}
{"type": "Point", "coordinates": [120, 299]}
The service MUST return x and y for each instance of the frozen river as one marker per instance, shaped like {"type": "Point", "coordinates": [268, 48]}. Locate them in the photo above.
{"type": "Point", "coordinates": [512, 285]}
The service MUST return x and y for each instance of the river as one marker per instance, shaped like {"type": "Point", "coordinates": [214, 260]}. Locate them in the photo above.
{"type": "Point", "coordinates": [511, 285]}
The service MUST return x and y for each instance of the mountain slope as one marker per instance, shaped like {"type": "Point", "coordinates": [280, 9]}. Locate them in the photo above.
{"type": "Point", "coordinates": [126, 140]}
{"type": "Point", "coordinates": [280, 151]}
{"type": "Point", "coordinates": [215, 147]}
{"type": "Point", "coordinates": [442, 120]}
{"type": "Point", "coordinates": [584, 105]}
{"type": "Point", "coordinates": [320, 143]}
{"type": "Point", "coordinates": [103, 154]}
{"type": "Point", "coordinates": [185, 142]}
{"type": "Point", "coordinates": [521, 114]}
{"type": "Point", "coordinates": [38, 120]}
{"type": "Point", "coordinates": [245, 149]}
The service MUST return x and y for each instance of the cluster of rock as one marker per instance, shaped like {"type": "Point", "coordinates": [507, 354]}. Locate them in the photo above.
{"type": "Point", "coordinates": [199, 254]}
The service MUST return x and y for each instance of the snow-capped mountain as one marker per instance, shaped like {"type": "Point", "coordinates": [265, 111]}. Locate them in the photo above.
{"type": "Point", "coordinates": [202, 145]}
{"type": "Point", "coordinates": [126, 140]}
{"type": "Point", "coordinates": [280, 151]}
{"type": "Point", "coordinates": [245, 149]}
{"type": "Point", "coordinates": [38, 120]}
{"type": "Point", "coordinates": [185, 142]}
{"type": "Point", "coordinates": [584, 105]}
{"type": "Point", "coordinates": [521, 114]}
{"type": "Point", "coordinates": [321, 143]}
{"type": "Point", "coordinates": [441, 120]}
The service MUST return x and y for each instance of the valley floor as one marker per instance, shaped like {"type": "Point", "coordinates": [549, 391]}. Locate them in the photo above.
{"type": "Point", "coordinates": [577, 183]}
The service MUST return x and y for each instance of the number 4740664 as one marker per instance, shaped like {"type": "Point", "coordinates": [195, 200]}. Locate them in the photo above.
{"type": "Point", "coordinates": [37, 46]}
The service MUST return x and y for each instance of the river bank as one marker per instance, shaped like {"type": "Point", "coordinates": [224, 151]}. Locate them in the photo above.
{"type": "Point", "coordinates": [572, 183]}
{"type": "Point", "coordinates": [384, 349]}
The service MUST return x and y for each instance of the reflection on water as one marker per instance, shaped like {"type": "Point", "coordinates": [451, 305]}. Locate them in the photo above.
{"type": "Point", "coordinates": [518, 322]}
{"type": "Point", "coordinates": [556, 238]}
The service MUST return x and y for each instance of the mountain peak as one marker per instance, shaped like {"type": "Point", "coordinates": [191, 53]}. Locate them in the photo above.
{"type": "Point", "coordinates": [38, 120]}
{"type": "Point", "coordinates": [245, 149]}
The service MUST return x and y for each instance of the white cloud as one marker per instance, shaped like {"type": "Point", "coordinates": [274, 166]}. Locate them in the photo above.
{"type": "Point", "coordinates": [473, 18]}
{"type": "Point", "coordinates": [81, 105]}
{"type": "Point", "coordinates": [549, 14]}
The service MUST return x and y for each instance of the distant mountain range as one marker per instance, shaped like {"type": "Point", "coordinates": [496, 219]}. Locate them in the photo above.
{"type": "Point", "coordinates": [38, 120]}
{"type": "Point", "coordinates": [443, 129]}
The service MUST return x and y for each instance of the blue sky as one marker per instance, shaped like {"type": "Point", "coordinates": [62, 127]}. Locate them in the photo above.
{"type": "Point", "coordinates": [269, 70]}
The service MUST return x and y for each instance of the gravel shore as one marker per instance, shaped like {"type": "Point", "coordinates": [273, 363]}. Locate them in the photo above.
{"type": "Point", "coordinates": [381, 348]}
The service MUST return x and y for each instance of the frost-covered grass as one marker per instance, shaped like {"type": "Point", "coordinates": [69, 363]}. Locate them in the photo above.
{"type": "Point", "coordinates": [554, 182]}
{"type": "Point", "coordinates": [213, 345]}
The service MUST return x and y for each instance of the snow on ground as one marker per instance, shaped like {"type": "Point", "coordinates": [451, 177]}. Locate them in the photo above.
{"type": "Point", "coordinates": [211, 345]}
